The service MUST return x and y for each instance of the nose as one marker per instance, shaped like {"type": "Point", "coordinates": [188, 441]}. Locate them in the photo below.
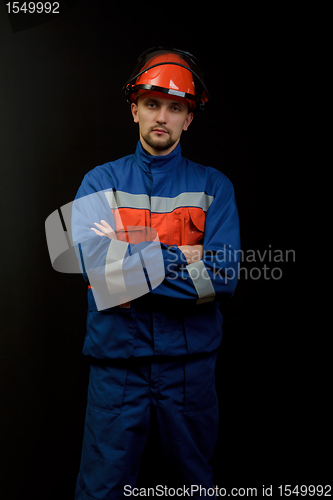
{"type": "Point", "coordinates": [161, 116]}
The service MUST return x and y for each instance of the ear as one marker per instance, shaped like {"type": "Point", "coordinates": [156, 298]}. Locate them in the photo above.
{"type": "Point", "coordinates": [188, 121]}
{"type": "Point", "coordinates": [134, 109]}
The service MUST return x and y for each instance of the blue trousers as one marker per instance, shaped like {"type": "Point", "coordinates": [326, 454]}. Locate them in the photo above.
{"type": "Point", "coordinates": [121, 395]}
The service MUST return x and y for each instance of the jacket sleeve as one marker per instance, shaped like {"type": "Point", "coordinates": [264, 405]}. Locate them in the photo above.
{"type": "Point", "coordinates": [116, 270]}
{"type": "Point", "coordinates": [216, 274]}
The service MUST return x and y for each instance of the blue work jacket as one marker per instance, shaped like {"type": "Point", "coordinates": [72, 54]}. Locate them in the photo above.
{"type": "Point", "coordinates": [159, 305]}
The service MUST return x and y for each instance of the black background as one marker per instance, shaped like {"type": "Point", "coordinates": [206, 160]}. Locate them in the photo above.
{"type": "Point", "coordinates": [62, 113]}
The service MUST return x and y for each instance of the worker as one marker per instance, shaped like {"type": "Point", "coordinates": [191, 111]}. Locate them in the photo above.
{"type": "Point", "coordinates": [157, 236]}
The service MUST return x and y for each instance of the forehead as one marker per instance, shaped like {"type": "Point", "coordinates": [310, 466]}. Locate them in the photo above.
{"type": "Point", "coordinates": [163, 99]}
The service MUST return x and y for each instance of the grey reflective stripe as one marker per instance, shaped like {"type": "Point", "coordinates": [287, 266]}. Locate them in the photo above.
{"type": "Point", "coordinates": [116, 251]}
{"type": "Point", "coordinates": [120, 199]}
{"type": "Point", "coordinates": [158, 204]}
{"type": "Point", "coordinates": [201, 280]}
{"type": "Point", "coordinates": [161, 204]}
{"type": "Point", "coordinates": [114, 276]}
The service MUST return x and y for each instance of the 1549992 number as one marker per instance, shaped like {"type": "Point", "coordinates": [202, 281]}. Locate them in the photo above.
{"type": "Point", "coordinates": [303, 490]}
{"type": "Point", "coordinates": [32, 7]}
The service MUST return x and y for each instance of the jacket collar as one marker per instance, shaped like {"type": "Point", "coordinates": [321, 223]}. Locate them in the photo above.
{"type": "Point", "coordinates": [157, 164]}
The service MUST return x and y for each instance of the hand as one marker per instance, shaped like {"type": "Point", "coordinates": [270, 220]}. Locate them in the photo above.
{"type": "Point", "coordinates": [193, 253]}
{"type": "Point", "coordinates": [105, 230]}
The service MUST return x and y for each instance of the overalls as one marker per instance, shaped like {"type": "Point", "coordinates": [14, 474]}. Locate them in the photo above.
{"type": "Point", "coordinates": [154, 356]}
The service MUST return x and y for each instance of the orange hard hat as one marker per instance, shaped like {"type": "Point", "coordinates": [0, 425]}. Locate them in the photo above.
{"type": "Point", "coordinates": [169, 71]}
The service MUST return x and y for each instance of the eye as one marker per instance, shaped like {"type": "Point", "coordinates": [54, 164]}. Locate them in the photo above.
{"type": "Point", "coordinates": [151, 105]}
{"type": "Point", "coordinates": [176, 108]}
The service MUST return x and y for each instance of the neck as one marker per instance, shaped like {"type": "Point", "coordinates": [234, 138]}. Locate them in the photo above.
{"type": "Point", "coordinates": [157, 152]}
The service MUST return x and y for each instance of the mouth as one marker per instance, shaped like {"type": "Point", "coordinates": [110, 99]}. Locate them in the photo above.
{"type": "Point", "coordinates": [160, 131]}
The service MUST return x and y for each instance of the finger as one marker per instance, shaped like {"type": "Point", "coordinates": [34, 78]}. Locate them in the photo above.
{"type": "Point", "coordinates": [108, 230]}
{"type": "Point", "coordinates": [97, 232]}
{"type": "Point", "coordinates": [106, 224]}
{"type": "Point", "coordinates": [102, 228]}
{"type": "Point", "coordinates": [105, 231]}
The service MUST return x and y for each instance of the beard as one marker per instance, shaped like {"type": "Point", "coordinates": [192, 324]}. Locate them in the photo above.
{"type": "Point", "coordinates": [159, 144]}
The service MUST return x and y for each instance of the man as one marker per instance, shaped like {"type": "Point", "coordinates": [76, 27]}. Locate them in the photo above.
{"type": "Point", "coordinates": [157, 237]}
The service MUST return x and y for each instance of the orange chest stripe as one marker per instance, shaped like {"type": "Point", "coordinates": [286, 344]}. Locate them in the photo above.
{"type": "Point", "coordinates": [182, 226]}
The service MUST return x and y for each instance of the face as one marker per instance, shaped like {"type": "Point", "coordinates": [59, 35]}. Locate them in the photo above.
{"type": "Point", "coordinates": [161, 120]}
